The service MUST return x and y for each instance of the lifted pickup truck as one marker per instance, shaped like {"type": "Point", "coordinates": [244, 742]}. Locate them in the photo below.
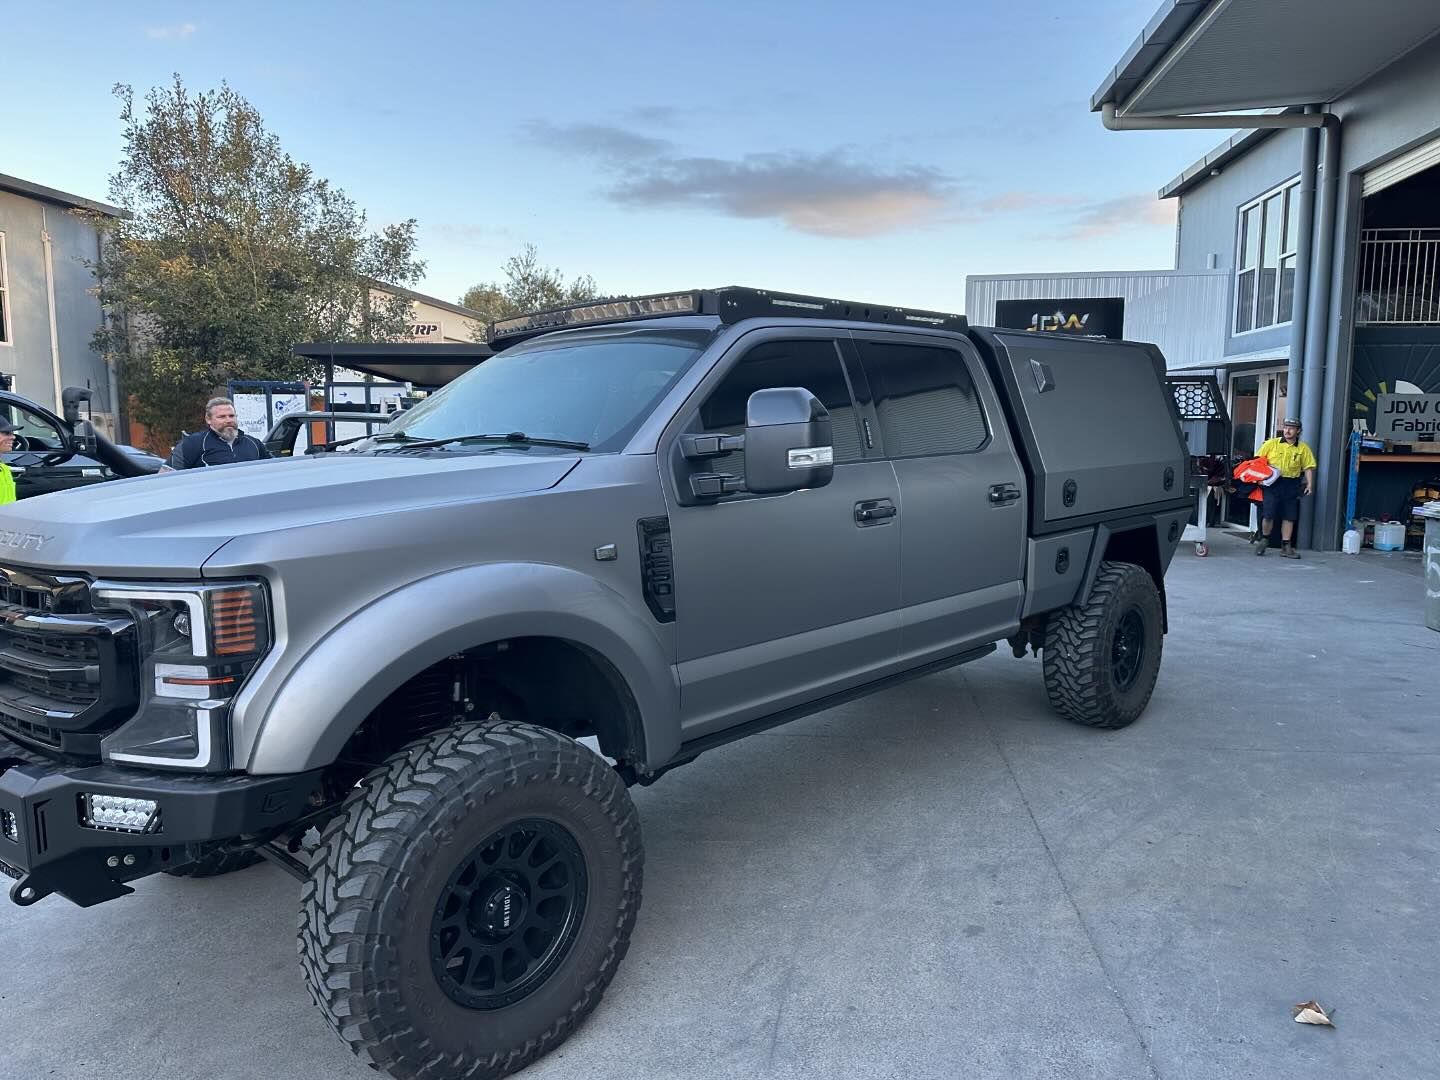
{"type": "Point", "coordinates": [664, 523]}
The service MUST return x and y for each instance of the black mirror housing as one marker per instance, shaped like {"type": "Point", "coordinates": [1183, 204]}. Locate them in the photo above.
{"type": "Point", "coordinates": [788, 441]}
{"type": "Point", "coordinates": [70, 399]}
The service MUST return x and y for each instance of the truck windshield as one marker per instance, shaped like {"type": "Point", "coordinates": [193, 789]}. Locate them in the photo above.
{"type": "Point", "coordinates": [592, 388]}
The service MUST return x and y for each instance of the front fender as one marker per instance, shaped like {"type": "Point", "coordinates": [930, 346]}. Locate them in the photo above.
{"type": "Point", "coordinates": [326, 694]}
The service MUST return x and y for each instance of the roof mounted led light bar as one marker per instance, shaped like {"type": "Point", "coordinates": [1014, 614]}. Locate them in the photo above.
{"type": "Point", "coordinates": [640, 307]}
{"type": "Point", "coordinates": [730, 304]}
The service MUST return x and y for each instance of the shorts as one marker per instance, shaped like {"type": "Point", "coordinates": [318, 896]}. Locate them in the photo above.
{"type": "Point", "coordinates": [1282, 499]}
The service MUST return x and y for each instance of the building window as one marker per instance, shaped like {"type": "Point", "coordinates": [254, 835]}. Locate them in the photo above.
{"type": "Point", "coordinates": [4, 296]}
{"type": "Point", "coordinates": [1265, 274]}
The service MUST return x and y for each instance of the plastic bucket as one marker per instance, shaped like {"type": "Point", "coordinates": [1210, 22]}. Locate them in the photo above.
{"type": "Point", "coordinates": [1390, 536]}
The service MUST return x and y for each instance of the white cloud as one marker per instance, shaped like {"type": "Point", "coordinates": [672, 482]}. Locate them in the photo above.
{"type": "Point", "coordinates": [1117, 215]}
{"type": "Point", "coordinates": [823, 194]}
{"type": "Point", "coordinates": [178, 32]}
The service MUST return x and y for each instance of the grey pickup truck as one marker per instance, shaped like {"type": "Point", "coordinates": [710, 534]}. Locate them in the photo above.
{"type": "Point", "coordinates": [656, 524]}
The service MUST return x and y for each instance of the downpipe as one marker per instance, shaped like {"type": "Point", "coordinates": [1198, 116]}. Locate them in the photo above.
{"type": "Point", "coordinates": [50, 301]}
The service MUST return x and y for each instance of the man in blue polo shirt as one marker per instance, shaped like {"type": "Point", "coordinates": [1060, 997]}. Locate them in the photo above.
{"type": "Point", "coordinates": [221, 443]}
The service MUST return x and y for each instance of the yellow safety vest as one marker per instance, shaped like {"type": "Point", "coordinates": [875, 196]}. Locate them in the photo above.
{"type": "Point", "coordinates": [7, 484]}
{"type": "Point", "coordinates": [1291, 460]}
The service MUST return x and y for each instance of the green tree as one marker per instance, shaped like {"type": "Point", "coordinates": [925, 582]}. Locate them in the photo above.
{"type": "Point", "coordinates": [232, 253]}
{"type": "Point", "coordinates": [528, 286]}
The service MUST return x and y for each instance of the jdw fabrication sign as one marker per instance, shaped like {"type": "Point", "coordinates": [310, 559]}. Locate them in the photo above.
{"type": "Point", "coordinates": [1098, 317]}
{"type": "Point", "coordinates": [1403, 416]}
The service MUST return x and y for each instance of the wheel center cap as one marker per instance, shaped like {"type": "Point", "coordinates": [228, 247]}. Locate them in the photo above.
{"type": "Point", "coordinates": [503, 909]}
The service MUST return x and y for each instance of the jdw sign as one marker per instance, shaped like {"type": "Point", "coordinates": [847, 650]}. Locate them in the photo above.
{"type": "Point", "coordinates": [1059, 321]}
{"type": "Point", "coordinates": [1403, 416]}
{"type": "Point", "coordinates": [1091, 316]}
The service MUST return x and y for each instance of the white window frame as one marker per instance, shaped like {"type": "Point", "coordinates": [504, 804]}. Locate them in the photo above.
{"type": "Point", "coordinates": [5, 314]}
{"type": "Point", "coordinates": [1290, 205]}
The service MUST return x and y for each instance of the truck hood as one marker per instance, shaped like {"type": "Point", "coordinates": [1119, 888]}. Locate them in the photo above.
{"type": "Point", "coordinates": [172, 523]}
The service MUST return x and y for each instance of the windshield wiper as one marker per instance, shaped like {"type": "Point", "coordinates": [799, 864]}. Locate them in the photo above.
{"type": "Point", "coordinates": [519, 438]}
{"type": "Point", "coordinates": [379, 436]}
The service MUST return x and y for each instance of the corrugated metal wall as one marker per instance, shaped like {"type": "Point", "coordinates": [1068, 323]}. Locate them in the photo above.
{"type": "Point", "coordinates": [1182, 312]}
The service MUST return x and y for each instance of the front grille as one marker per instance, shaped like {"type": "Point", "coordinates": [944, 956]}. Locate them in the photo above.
{"type": "Point", "coordinates": [31, 599]}
{"type": "Point", "coordinates": [80, 650]}
{"type": "Point", "coordinates": [68, 694]}
{"type": "Point", "coordinates": [68, 676]}
{"type": "Point", "coordinates": [29, 731]}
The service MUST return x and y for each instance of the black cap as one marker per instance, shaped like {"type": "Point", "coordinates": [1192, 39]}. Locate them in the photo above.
{"type": "Point", "coordinates": [6, 428]}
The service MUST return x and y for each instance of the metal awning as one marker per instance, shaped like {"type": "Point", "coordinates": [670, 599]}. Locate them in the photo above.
{"type": "Point", "coordinates": [424, 365]}
{"type": "Point", "coordinates": [1199, 56]}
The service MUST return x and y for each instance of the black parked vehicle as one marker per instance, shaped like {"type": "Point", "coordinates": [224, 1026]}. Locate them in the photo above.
{"type": "Point", "coordinates": [54, 453]}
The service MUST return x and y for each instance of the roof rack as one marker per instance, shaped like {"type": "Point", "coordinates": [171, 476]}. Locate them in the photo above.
{"type": "Point", "coordinates": [730, 304]}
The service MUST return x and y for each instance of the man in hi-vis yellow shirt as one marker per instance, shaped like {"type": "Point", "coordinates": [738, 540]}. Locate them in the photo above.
{"type": "Point", "coordinates": [7, 478]}
{"type": "Point", "coordinates": [1296, 462]}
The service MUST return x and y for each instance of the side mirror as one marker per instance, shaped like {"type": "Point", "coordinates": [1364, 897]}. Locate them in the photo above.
{"type": "Point", "coordinates": [788, 442]}
{"type": "Point", "coordinates": [70, 399]}
{"type": "Point", "coordinates": [80, 434]}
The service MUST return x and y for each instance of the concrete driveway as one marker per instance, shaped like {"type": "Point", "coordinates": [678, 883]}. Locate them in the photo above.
{"type": "Point", "coordinates": [944, 880]}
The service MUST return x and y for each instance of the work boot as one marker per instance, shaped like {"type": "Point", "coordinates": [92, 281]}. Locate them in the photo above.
{"type": "Point", "coordinates": [1289, 552]}
{"type": "Point", "coordinates": [1261, 546]}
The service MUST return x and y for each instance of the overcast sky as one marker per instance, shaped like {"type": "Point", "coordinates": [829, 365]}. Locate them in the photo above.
{"type": "Point", "coordinates": [873, 151]}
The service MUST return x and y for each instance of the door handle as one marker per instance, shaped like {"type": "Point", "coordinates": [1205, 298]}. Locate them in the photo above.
{"type": "Point", "coordinates": [874, 511]}
{"type": "Point", "coordinates": [1004, 494]}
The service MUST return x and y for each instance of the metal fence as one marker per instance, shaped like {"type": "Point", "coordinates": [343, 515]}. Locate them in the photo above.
{"type": "Point", "coordinates": [1399, 279]}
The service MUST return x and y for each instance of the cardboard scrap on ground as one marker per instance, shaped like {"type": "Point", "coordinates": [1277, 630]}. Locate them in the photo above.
{"type": "Point", "coordinates": [1312, 1012]}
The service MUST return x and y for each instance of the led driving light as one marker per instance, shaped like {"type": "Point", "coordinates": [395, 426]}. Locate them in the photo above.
{"type": "Point", "coordinates": [119, 813]}
{"type": "Point", "coordinates": [607, 311]}
{"type": "Point", "coordinates": [9, 827]}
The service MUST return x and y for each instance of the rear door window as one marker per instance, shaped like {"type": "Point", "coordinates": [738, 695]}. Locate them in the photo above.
{"type": "Point", "coordinates": [925, 399]}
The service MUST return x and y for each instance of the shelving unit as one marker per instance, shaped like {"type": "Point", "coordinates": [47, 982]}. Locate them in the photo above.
{"type": "Point", "coordinates": [1399, 486]}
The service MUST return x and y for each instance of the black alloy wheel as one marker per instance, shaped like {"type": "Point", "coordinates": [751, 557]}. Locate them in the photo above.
{"type": "Point", "coordinates": [1127, 649]}
{"type": "Point", "coordinates": [509, 914]}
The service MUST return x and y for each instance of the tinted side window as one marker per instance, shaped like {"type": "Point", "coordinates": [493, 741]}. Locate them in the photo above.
{"type": "Point", "coordinates": [925, 399]}
{"type": "Point", "coordinates": [32, 431]}
{"type": "Point", "coordinates": [814, 365]}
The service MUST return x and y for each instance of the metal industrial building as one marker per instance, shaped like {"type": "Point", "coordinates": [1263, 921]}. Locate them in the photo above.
{"type": "Point", "coordinates": [1328, 219]}
{"type": "Point", "coordinates": [1307, 270]}
{"type": "Point", "coordinates": [1176, 310]}
{"type": "Point", "coordinates": [48, 308]}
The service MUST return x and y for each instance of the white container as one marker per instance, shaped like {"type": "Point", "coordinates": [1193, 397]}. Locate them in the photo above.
{"type": "Point", "coordinates": [1389, 536]}
{"type": "Point", "coordinates": [1350, 544]}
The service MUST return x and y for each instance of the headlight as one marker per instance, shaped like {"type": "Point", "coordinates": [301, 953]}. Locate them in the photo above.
{"type": "Point", "coordinates": [196, 644]}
